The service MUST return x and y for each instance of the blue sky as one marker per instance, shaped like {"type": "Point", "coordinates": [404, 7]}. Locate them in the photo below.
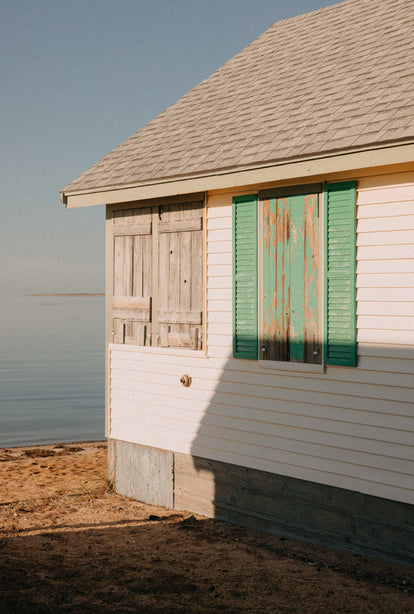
{"type": "Point", "coordinates": [78, 78]}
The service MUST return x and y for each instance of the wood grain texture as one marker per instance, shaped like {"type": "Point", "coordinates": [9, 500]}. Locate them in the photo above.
{"type": "Point", "coordinates": [158, 269]}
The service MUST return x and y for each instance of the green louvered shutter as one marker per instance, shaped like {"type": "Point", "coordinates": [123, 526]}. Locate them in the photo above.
{"type": "Point", "coordinates": [245, 276]}
{"type": "Point", "coordinates": [340, 257]}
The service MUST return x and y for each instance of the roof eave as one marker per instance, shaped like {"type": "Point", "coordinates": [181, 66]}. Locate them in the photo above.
{"type": "Point", "coordinates": [339, 161]}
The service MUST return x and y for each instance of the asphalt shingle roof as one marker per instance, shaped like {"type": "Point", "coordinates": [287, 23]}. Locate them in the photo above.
{"type": "Point", "coordinates": [339, 78]}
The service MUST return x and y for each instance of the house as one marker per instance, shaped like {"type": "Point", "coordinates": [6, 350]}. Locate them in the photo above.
{"type": "Point", "coordinates": [260, 286]}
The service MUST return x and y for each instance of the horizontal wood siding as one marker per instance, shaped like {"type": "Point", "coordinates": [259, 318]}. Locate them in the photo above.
{"type": "Point", "coordinates": [348, 427]}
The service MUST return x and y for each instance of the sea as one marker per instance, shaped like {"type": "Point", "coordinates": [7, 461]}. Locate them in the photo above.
{"type": "Point", "coordinates": [52, 369]}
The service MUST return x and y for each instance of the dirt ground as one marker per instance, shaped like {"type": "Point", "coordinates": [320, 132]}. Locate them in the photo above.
{"type": "Point", "coordinates": [68, 543]}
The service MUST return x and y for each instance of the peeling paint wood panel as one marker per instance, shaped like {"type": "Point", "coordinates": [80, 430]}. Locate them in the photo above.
{"type": "Point", "coordinates": [291, 321]}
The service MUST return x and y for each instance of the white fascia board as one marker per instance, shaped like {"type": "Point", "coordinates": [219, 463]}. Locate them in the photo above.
{"type": "Point", "coordinates": [225, 179]}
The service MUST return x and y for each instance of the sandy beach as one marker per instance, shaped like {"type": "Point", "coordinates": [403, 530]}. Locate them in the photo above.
{"type": "Point", "coordinates": [69, 543]}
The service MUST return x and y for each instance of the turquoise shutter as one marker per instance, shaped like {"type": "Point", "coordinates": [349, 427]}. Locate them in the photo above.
{"type": "Point", "coordinates": [245, 276]}
{"type": "Point", "coordinates": [340, 257]}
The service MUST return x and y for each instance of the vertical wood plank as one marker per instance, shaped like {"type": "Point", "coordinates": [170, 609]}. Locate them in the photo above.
{"type": "Point", "coordinates": [118, 266]}
{"type": "Point", "coordinates": [283, 278]}
{"type": "Point", "coordinates": [155, 276]}
{"type": "Point", "coordinates": [185, 280]}
{"type": "Point", "coordinates": [147, 265]}
{"type": "Point", "coordinates": [269, 346]}
{"type": "Point", "coordinates": [197, 270]}
{"type": "Point", "coordinates": [173, 300]}
{"type": "Point", "coordinates": [123, 265]}
{"type": "Point", "coordinates": [296, 246]}
{"type": "Point", "coordinates": [313, 349]}
{"type": "Point", "coordinates": [138, 270]}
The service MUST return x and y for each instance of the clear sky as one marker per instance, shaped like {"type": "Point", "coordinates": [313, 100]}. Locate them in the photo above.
{"type": "Point", "coordinates": [77, 78]}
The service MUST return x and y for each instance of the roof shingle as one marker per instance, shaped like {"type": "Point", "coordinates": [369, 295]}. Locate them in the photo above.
{"type": "Point", "coordinates": [334, 79]}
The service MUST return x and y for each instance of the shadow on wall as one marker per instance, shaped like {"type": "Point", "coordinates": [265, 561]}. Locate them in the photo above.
{"type": "Point", "coordinates": [274, 435]}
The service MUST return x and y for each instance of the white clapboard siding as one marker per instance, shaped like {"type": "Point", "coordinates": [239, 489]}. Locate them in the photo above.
{"type": "Point", "coordinates": [384, 308]}
{"type": "Point", "coordinates": [384, 224]}
{"type": "Point", "coordinates": [385, 266]}
{"type": "Point", "coordinates": [383, 210]}
{"type": "Point", "coordinates": [385, 261]}
{"type": "Point", "coordinates": [385, 294]}
{"type": "Point", "coordinates": [388, 252]}
{"type": "Point", "coordinates": [219, 259]}
{"type": "Point", "coordinates": [346, 427]}
{"type": "Point", "coordinates": [219, 276]}
{"type": "Point", "coordinates": [385, 280]}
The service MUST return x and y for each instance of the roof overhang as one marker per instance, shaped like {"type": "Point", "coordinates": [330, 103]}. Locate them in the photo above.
{"type": "Point", "coordinates": [234, 178]}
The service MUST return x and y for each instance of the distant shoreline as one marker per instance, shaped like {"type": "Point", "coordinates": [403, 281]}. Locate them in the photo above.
{"type": "Point", "coordinates": [68, 294]}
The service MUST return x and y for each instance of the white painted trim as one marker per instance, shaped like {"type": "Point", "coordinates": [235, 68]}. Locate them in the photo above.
{"type": "Point", "coordinates": [329, 163]}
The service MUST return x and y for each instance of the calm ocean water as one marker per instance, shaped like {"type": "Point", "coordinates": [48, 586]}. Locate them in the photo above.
{"type": "Point", "coordinates": [52, 376]}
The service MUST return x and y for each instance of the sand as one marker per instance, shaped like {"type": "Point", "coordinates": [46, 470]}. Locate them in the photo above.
{"type": "Point", "coordinates": [68, 543]}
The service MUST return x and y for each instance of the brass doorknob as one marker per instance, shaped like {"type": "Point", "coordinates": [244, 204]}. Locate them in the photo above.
{"type": "Point", "coordinates": [185, 381]}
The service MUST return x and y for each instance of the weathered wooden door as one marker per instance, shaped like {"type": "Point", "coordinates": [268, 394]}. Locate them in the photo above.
{"type": "Point", "coordinates": [180, 278]}
{"type": "Point", "coordinates": [291, 284]}
{"type": "Point", "coordinates": [132, 288]}
{"type": "Point", "coordinates": [158, 275]}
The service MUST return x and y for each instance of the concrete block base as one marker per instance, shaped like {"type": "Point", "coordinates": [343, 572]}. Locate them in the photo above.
{"type": "Point", "coordinates": [264, 501]}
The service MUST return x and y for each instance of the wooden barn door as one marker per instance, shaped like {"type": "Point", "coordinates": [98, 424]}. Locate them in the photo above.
{"type": "Point", "coordinates": [158, 275]}
{"type": "Point", "coordinates": [291, 284]}
{"type": "Point", "coordinates": [132, 291]}
{"type": "Point", "coordinates": [180, 275]}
